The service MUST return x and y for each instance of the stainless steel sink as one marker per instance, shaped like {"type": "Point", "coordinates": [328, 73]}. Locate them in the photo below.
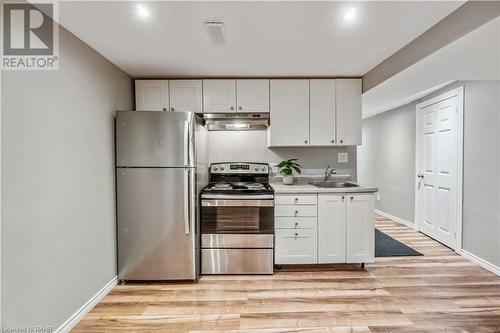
{"type": "Point", "coordinates": [334, 184]}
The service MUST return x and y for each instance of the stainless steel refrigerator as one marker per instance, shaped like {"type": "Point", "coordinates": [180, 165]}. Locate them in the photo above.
{"type": "Point", "coordinates": [161, 166]}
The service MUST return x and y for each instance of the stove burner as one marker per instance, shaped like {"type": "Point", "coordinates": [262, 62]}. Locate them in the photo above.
{"type": "Point", "coordinates": [222, 186]}
{"type": "Point", "coordinates": [254, 186]}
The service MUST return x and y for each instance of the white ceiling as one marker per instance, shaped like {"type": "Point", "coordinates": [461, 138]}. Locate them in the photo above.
{"type": "Point", "coordinates": [262, 38]}
{"type": "Point", "coordinates": [475, 56]}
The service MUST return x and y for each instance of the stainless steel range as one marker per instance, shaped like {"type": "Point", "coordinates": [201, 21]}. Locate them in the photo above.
{"type": "Point", "coordinates": [237, 220]}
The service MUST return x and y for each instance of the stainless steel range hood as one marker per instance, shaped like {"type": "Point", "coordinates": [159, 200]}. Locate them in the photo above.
{"type": "Point", "coordinates": [237, 121]}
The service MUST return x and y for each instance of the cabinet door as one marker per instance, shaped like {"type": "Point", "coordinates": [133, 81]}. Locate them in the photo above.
{"type": "Point", "coordinates": [322, 113]}
{"type": "Point", "coordinates": [252, 95]}
{"type": "Point", "coordinates": [219, 95]}
{"type": "Point", "coordinates": [151, 95]}
{"type": "Point", "coordinates": [331, 228]}
{"type": "Point", "coordinates": [294, 246]}
{"type": "Point", "coordinates": [186, 95]}
{"type": "Point", "coordinates": [348, 110]}
{"type": "Point", "coordinates": [289, 113]}
{"type": "Point", "coordinates": [360, 228]}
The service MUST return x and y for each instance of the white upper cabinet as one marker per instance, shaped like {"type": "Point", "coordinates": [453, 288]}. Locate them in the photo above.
{"type": "Point", "coordinates": [186, 95]}
{"type": "Point", "coordinates": [348, 110]}
{"type": "Point", "coordinates": [289, 113]}
{"type": "Point", "coordinates": [331, 228]}
{"type": "Point", "coordinates": [322, 112]}
{"type": "Point", "coordinates": [360, 228]}
{"type": "Point", "coordinates": [219, 96]}
{"type": "Point", "coordinates": [252, 95]}
{"type": "Point", "coordinates": [151, 95]}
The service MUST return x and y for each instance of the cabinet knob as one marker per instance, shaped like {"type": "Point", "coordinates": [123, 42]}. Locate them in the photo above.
{"type": "Point", "coordinates": [296, 213]}
{"type": "Point", "coordinates": [240, 108]}
{"type": "Point", "coordinates": [352, 198]}
{"type": "Point", "coordinates": [296, 224]}
{"type": "Point", "coordinates": [296, 234]}
{"type": "Point", "coordinates": [333, 141]}
{"type": "Point", "coordinates": [231, 108]}
{"type": "Point", "coordinates": [341, 141]}
{"type": "Point", "coordinates": [172, 109]}
{"type": "Point", "coordinates": [305, 141]}
{"type": "Point", "coordinates": [296, 199]}
{"type": "Point", "coordinates": [343, 198]}
{"type": "Point", "coordinates": [164, 109]}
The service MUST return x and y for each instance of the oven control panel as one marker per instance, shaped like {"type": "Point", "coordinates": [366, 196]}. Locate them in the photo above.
{"type": "Point", "coordinates": [239, 168]}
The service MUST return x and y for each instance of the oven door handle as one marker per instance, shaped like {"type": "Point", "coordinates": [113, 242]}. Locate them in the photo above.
{"type": "Point", "coordinates": [237, 203]}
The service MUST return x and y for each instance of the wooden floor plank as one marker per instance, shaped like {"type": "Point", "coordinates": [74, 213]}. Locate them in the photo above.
{"type": "Point", "coordinates": [437, 292]}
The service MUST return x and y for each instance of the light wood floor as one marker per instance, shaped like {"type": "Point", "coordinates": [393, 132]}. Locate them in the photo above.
{"type": "Point", "coordinates": [437, 292]}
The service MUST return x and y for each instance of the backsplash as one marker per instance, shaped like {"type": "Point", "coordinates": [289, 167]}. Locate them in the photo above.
{"type": "Point", "coordinates": [251, 146]}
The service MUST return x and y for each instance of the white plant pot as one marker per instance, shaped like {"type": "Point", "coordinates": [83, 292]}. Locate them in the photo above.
{"type": "Point", "coordinates": [288, 180]}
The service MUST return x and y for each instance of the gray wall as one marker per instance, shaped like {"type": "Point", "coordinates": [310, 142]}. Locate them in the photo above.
{"type": "Point", "coordinates": [58, 217]}
{"type": "Point", "coordinates": [251, 146]}
{"type": "Point", "coordinates": [387, 159]}
{"type": "Point", "coordinates": [481, 182]}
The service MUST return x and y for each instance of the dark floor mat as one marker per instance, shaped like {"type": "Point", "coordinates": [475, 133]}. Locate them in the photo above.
{"type": "Point", "coordinates": [386, 246]}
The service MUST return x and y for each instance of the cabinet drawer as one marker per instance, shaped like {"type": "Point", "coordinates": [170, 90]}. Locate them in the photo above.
{"type": "Point", "coordinates": [281, 222]}
{"type": "Point", "coordinates": [295, 246]}
{"type": "Point", "coordinates": [295, 211]}
{"type": "Point", "coordinates": [292, 199]}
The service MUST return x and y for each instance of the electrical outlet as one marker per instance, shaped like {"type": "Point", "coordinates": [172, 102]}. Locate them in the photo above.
{"type": "Point", "coordinates": [342, 157]}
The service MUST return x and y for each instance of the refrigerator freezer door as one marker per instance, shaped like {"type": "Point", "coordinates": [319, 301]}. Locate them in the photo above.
{"type": "Point", "coordinates": [155, 139]}
{"type": "Point", "coordinates": [156, 228]}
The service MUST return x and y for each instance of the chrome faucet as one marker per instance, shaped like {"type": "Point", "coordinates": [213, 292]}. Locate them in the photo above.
{"type": "Point", "coordinates": [329, 172]}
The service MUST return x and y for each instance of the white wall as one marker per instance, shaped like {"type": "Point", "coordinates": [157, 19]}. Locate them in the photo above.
{"type": "Point", "coordinates": [58, 193]}
{"type": "Point", "coordinates": [481, 182]}
{"type": "Point", "coordinates": [387, 159]}
{"type": "Point", "coordinates": [251, 146]}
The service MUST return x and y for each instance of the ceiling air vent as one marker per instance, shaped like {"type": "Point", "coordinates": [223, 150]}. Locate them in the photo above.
{"type": "Point", "coordinates": [216, 31]}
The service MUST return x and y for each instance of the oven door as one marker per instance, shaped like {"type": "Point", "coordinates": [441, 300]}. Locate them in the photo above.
{"type": "Point", "coordinates": [234, 215]}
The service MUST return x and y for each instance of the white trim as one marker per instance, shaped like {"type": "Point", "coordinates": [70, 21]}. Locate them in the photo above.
{"type": "Point", "coordinates": [80, 313]}
{"type": "Point", "coordinates": [459, 93]}
{"type": "Point", "coordinates": [396, 219]}
{"type": "Point", "coordinates": [481, 262]}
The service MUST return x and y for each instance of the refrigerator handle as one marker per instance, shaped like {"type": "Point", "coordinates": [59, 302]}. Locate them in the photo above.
{"type": "Point", "coordinates": [186, 143]}
{"type": "Point", "coordinates": [187, 208]}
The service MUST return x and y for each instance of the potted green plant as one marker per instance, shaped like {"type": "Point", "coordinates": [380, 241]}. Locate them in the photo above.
{"type": "Point", "coordinates": [286, 169]}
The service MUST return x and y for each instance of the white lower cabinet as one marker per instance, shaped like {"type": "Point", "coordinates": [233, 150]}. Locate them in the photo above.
{"type": "Point", "coordinates": [295, 246]}
{"type": "Point", "coordinates": [360, 228]}
{"type": "Point", "coordinates": [331, 229]}
{"type": "Point", "coordinates": [324, 229]}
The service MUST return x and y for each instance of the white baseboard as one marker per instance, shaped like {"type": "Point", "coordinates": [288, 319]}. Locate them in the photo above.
{"type": "Point", "coordinates": [396, 219]}
{"type": "Point", "coordinates": [80, 313]}
{"type": "Point", "coordinates": [481, 262]}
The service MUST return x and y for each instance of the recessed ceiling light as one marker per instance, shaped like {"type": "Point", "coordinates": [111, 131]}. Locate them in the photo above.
{"type": "Point", "coordinates": [350, 14]}
{"type": "Point", "coordinates": [142, 11]}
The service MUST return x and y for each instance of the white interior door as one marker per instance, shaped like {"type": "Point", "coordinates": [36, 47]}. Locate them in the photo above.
{"type": "Point", "coordinates": [439, 161]}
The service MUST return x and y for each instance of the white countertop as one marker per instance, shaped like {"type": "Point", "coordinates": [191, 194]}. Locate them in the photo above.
{"type": "Point", "coordinates": [280, 188]}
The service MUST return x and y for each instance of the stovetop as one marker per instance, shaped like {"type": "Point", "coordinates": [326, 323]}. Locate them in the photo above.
{"type": "Point", "coordinates": [238, 188]}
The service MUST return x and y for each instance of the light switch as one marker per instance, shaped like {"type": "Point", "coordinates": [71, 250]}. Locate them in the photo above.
{"type": "Point", "coordinates": [342, 157]}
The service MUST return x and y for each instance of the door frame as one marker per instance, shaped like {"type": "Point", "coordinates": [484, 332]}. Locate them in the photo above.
{"type": "Point", "coordinates": [459, 93]}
